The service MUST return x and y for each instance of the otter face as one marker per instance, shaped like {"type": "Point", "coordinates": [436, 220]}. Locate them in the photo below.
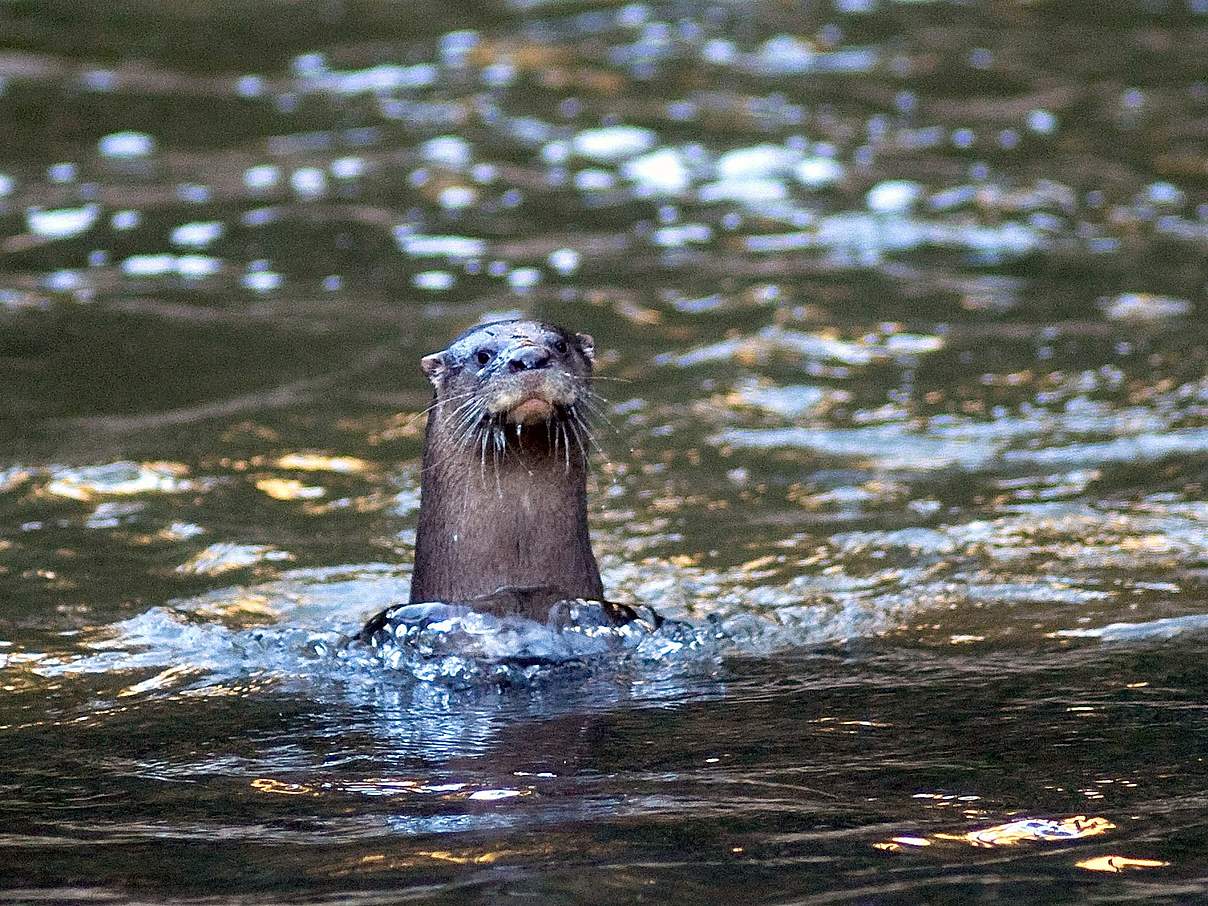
{"type": "Point", "coordinates": [518, 373]}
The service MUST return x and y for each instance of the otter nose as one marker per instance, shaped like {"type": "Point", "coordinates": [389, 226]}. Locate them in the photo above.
{"type": "Point", "coordinates": [528, 358]}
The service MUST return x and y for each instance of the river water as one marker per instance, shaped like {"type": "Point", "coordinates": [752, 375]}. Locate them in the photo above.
{"type": "Point", "coordinates": [901, 311]}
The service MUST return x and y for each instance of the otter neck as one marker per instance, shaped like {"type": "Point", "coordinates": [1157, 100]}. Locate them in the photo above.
{"type": "Point", "coordinates": [510, 517]}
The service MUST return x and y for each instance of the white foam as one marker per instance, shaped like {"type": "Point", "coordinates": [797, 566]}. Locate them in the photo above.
{"type": "Point", "coordinates": [1166, 628]}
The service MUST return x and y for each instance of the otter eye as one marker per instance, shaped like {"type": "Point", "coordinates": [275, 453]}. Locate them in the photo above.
{"type": "Point", "coordinates": [482, 357]}
{"type": "Point", "coordinates": [560, 347]}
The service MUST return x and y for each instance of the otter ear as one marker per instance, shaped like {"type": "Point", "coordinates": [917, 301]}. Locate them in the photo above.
{"type": "Point", "coordinates": [433, 365]}
{"type": "Point", "coordinates": [588, 345]}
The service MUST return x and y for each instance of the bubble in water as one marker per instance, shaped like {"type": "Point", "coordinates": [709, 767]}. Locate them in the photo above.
{"type": "Point", "coordinates": [456, 45]}
{"type": "Point", "coordinates": [62, 281]}
{"type": "Point", "coordinates": [499, 75]}
{"type": "Point", "coordinates": [784, 55]}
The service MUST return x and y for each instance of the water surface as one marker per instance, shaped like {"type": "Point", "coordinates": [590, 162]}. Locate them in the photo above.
{"type": "Point", "coordinates": [901, 316]}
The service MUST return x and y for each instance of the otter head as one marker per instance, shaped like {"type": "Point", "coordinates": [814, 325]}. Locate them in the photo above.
{"type": "Point", "coordinates": [512, 374]}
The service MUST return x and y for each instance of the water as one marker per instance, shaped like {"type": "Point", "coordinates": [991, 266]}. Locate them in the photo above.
{"type": "Point", "coordinates": [901, 312]}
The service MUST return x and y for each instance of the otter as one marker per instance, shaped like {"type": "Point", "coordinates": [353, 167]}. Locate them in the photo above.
{"type": "Point", "coordinates": [503, 496]}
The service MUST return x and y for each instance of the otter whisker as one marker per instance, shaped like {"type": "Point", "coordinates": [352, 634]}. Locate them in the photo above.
{"type": "Point", "coordinates": [463, 437]}
{"type": "Point", "coordinates": [497, 455]}
{"type": "Point", "coordinates": [595, 409]}
{"type": "Point", "coordinates": [574, 429]}
{"type": "Point", "coordinates": [468, 404]}
{"type": "Point", "coordinates": [456, 451]}
{"type": "Point", "coordinates": [436, 404]}
{"type": "Point", "coordinates": [469, 409]}
{"type": "Point", "coordinates": [574, 413]}
{"type": "Point", "coordinates": [482, 461]}
{"type": "Point", "coordinates": [468, 436]}
{"type": "Point", "coordinates": [459, 428]}
{"type": "Point", "coordinates": [461, 440]}
{"type": "Point", "coordinates": [598, 404]}
{"type": "Point", "coordinates": [466, 427]}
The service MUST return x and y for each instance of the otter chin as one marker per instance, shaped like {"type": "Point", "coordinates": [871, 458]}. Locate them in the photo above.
{"type": "Point", "coordinates": [533, 411]}
{"type": "Point", "coordinates": [503, 500]}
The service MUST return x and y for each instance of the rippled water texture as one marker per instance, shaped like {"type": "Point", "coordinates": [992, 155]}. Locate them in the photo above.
{"type": "Point", "coordinates": [901, 310]}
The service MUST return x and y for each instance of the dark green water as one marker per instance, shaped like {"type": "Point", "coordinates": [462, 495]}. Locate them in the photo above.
{"type": "Point", "coordinates": [903, 311]}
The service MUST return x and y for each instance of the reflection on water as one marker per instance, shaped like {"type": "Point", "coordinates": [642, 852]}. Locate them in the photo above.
{"type": "Point", "coordinates": [900, 310]}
